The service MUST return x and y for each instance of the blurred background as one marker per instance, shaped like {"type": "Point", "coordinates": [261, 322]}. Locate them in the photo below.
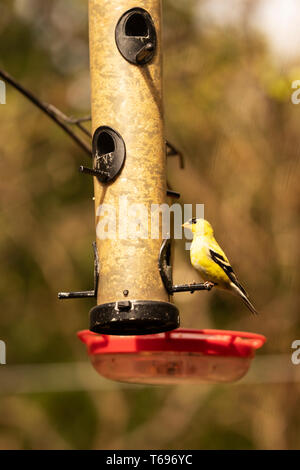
{"type": "Point", "coordinates": [228, 70]}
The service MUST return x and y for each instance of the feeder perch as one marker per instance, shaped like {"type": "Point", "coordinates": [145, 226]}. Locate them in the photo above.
{"type": "Point", "coordinates": [165, 269]}
{"type": "Point", "coordinates": [201, 356]}
{"type": "Point", "coordinates": [88, 293]}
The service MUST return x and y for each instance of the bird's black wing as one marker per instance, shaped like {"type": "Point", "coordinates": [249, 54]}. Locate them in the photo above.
{"type": "Point", "coordinates": [221, 261]}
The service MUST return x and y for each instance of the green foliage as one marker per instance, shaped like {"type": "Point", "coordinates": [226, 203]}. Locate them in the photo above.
{"type": "Point", "coordinates": [73, 416]}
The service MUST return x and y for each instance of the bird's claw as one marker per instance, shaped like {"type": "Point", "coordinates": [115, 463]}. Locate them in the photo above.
{"type": "Point", "coordinates": [208, 285]}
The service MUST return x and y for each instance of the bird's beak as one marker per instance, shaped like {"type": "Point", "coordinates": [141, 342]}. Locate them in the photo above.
{"type": "Point", "coordinates": [186, 225]}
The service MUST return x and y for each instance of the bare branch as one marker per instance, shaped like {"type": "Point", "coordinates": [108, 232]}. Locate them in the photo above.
{"type": "Point", "coordinates": [63, 121]}
{"type": "Point", "coordinates": [52, 112]}
{"type": "Point", "coordinates": [71, 120]}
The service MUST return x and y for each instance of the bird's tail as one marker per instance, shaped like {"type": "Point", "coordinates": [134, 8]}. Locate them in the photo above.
{"type": "Point", "coordinates": [244, 297]}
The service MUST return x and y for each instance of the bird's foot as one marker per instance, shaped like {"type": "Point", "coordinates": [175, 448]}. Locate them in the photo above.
{"type": "Point", "coordinates": [208, 285]}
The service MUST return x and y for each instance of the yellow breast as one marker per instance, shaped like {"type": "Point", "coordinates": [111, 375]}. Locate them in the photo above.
{"type": "Point", "coordinates": [201, 260]}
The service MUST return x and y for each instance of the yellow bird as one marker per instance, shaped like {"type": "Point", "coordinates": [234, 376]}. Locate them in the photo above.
{"type": "Point", "coordinates": [211, 262]}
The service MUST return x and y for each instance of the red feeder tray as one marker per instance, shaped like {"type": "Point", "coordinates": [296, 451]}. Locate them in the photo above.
{"type": "Point", "coordinates": [211, 356]}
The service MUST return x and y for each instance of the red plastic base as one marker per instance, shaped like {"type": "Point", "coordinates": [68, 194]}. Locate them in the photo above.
{"type": "Point", "coordinates": [212, 356]}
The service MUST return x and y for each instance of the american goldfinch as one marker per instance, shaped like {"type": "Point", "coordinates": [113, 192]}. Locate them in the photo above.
{"type": "Point", "coordinates": [211, 262]}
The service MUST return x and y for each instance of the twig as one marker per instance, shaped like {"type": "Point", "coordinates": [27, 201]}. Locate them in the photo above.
{"type": "Point", "coordinates": [171, 149]}
{"type": "Point", "coordinates": [71, 120]}
{"type": "Point", "coordinates": [60, 118]}
{"type": "Point", "coordinates": [48, 109]}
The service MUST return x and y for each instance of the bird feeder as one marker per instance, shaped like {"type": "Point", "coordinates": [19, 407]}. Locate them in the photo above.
{"type": "Point", "coordinates": [211, 356]}
{"type": "Point", "coordinates": [129, 162]}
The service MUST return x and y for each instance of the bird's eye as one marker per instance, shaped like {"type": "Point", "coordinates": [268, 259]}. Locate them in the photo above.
{"type": "Point", "coordinates": [193, 220]}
